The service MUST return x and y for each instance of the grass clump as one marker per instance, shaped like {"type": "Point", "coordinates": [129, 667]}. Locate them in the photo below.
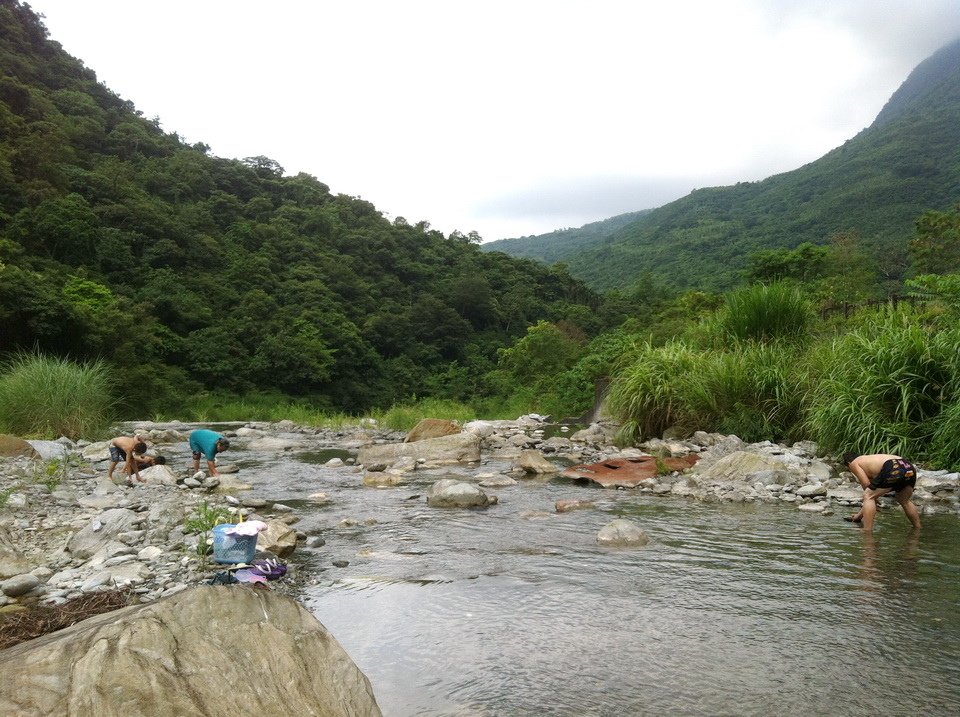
{"type": "Point", "coordinates": [753, 390]}
{"type": "Point", "coordinates": [206, 517]}
{"type": "Point", "coordinates": [764, 313]}
{"type": "Point", "coordinates": [646, 394]}
{"type": "Point", "coordinates": [881, 388]}
{"type": "Point", "coordinates": [405, 416]}
{"type": "Point", "coordinates": [48, 397]}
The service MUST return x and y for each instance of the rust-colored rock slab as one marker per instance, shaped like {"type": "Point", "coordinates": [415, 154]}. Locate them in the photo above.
{"type": "Point", "coordinates": [627, 472]}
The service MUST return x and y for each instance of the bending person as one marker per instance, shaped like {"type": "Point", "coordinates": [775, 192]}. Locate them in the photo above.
{"type": "Point", "coordinates": [209, 444]}
{"type": "Point", "coordinates": [879, 474]}
{"type": "Point", "coordinates": [123, 449]}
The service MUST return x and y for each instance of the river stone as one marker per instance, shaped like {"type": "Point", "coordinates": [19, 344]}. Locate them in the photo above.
{"type": "Point", "coordinates": [19, 585]}
{"type": "Point", "coordinates": [383, 478]}
{"type": "Point", "coordinates": [496, 481]}
{"type": "Point", "coordinates": [432, 428]}
{"type": "Point", "coordinates": [565, 506]}
{"type": "Point", "coordinates": [533, 461]}
{"type": "Point", "coordinates": [431, 452]}
{"type": "Point", "coordinates": [480, 428]}
{"type": "Point", "coordinates": [846, 495]}
{"type": "Point", "coordinates": [11, 561]}
{"type": "Point", "coordinates": [105, 486]}
{"type": "Point", "coordinates": [103, 577]}
{"type": "Point", "coordinates": [808, 491]}
{"type": "Point", "coordinates": [737, 466]}
{"type": "Point", "coordinates": [151, 552]}
{"type": "Point", "coordinates": [229, 484]}
{"type": "Point", "coordinates": [279, 539]}
{"type": "Point", "coordinates": [207, 651]}
{"type": "Point", "coordinates": [159, 475]}
{"type": "Point", "coordinates": [97, 452]}
{"type": "Point", "coordinates": [49, 450]}
{"type": "Point", "coordinates": [17, 501]}
{"type": "Point", "coordinates": [622, 533]}
{"type": "Point", "coordinates": [100, 501]}
{"type": "Point", "coordinates": [450, 493]}
{"type": "Point", "coordinates": [15, 447]}
{"type": "Point", "coordinates": [101, 531]}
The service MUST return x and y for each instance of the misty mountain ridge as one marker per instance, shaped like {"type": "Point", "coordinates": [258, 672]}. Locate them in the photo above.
{"type": "Point", "coordinates": [875, 185]}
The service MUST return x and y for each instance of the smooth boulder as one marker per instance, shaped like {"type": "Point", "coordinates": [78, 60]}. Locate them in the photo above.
{"type": "Point", "coordinates": [622, 533]}
{"type": "Point", "coordinates": [451, 493]}
{"type": "Point", "coordinates": [210, 651]}
{"type": "Point", "coordinates": [430, 452]}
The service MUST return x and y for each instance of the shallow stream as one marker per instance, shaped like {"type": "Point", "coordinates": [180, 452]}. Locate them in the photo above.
{"type": "Point", "coordinates": [515, 610]}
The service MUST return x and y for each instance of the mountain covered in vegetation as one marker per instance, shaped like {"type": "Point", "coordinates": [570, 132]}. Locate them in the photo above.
{"type": "Point", "coordinates": [873, 188]}
{"type": "Point", "coordinates": [189, 272]}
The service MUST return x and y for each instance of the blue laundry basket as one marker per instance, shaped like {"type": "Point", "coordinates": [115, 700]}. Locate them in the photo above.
{"type": "Point", "coordinates": [232, 548]}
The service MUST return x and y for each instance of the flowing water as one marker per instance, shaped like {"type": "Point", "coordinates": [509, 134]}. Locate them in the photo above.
{"type": "Point", "coordinates": [515, 610]}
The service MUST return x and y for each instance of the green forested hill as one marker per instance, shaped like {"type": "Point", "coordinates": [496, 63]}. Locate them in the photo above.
{"type": "Point", "coordinates": [874, 185]}
{"type": "Point", "coordinates": [189, 271]}
{"type": "Point", "coordinates": [556, 245]}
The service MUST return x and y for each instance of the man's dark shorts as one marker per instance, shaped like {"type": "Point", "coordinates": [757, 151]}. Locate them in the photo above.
{"type": "Point", "coordinates": [896, 474]}
{"type": "Point", "coordinates": [117, 455]}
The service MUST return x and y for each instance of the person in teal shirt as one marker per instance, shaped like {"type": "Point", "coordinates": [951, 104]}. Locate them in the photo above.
{"type": "Point", "coordinates": [209, 444]}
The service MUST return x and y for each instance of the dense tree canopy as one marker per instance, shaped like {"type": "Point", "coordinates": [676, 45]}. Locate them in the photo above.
{"type": "Point", "coordinates": [189, 271]}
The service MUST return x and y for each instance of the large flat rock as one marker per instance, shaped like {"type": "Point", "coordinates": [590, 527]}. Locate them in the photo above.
{"type": "Point", "coordinates": [627, 472]}
{"type": "Point", "coordinates": [208, 651]}
{"type": "Point", "coordinates": [445, 450]}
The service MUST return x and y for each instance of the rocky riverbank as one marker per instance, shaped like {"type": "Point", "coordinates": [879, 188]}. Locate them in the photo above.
{"type": "Point", "coordinates": [67, 531]}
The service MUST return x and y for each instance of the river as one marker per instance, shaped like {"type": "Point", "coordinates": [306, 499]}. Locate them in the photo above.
{"type": "Point", "coordinates": [515, 610]}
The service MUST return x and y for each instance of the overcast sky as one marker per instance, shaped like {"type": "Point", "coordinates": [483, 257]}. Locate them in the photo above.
{"type": "Point", "coordinates": [509, 117]}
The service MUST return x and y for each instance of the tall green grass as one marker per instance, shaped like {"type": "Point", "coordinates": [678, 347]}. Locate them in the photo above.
{"type": "Point", "coordinates": [645, 394]}
{"type": "Point", "coordinates": [752, 390]}
{"type": "Point", "coordinates": [882, 387]}
{"type": "Point", "coordinates": [47, 397]}
{"type": "Point", "coordinates": [206, 408]}
{"type": "Point", "coordinates": [268, 407]}
{"type": "Point", "coordinates": [762, 312]}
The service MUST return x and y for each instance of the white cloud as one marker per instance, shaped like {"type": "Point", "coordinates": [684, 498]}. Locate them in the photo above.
{"type": "Point", "coordinates": [480, 116]}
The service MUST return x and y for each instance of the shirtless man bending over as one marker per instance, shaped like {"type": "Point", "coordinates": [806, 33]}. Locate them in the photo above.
{"type": "Point", "coordinates": [124, 449]}
{"type": "Point", "coordinates": [879, 474]}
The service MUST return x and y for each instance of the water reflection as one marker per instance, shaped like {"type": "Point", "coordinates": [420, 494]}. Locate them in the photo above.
{"type": "Point", "coordinates": [732, 609]}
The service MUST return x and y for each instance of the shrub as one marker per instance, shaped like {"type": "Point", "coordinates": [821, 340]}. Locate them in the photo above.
{"type": "Point", "coordinates": [762, 312]}
{"type": "Point", "coordinates": [49, 397]}
{"type": "Point", "coordinates": [644, 395]}
{"type": "Point", "coordinates": [881, 387]}
{"type": "Point", "coordinates": [753, 391]}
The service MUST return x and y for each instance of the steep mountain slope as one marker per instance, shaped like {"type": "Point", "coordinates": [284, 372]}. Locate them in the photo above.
{"type": "Point", "coordinates": [553, 246]}
{"type": "Point", "coordinates": [190, 272]}
{"type": "Point", "coordinates": [875, 185]}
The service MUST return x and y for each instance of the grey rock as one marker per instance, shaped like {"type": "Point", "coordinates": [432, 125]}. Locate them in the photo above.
{"type": "Point", "coordinates": [291, 664]}
{"type": "Point", "coordinates": [19, 585]}
{"type": "Point", "coordinates": [450, 493]}
{"type": "Point", "coordinates": [622, 533]}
